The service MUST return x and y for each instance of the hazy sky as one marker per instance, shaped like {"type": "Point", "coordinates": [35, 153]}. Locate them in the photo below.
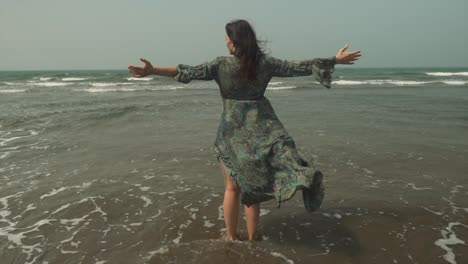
{"type": "Point", "coordinates": [111, 34]}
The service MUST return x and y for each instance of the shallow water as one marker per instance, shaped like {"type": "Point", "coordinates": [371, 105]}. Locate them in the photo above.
{"type": "Point", "coordinates": [129, 175]}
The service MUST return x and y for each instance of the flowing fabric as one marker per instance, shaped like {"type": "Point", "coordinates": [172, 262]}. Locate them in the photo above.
{"type": "Point", "coordinates": [251, 143]}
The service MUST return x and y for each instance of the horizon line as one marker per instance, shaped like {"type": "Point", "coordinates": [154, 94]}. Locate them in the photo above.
{"type": "Point", "coordinates": [346, 66]}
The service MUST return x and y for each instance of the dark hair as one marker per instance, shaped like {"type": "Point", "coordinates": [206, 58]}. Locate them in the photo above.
{"type": "Point", "coordinates": [247, 47]}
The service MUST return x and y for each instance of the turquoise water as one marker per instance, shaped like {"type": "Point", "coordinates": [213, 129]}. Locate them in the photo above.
{"type": "Point", "coordinates": [99, 167]}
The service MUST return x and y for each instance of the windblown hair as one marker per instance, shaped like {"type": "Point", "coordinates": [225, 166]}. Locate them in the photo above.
{"type": "Point", "coordinates": [247, 47]}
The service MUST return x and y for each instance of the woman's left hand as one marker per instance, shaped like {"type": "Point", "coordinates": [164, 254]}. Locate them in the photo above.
{"type": "Point", "coordinates": [344, 57]}
{"type": "Point", "coordinates": [141, 71]}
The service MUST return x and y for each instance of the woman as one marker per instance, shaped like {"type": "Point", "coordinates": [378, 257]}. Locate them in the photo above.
{"type": "Point", "coordinates": [257, 156]}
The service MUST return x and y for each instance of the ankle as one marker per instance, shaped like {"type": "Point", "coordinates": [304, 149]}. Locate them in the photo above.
{"type": "Point", "coordinates": [230, 237]}
{"type": "Point", "coordinates": [254, 237]}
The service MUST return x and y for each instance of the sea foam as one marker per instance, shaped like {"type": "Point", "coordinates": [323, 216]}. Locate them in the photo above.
{"type": "Point", "coordinates": [275, 83]}
{"type": "Point", "coordinates": [455, 82]}
{"type": "Point", "coordinates": [380, 82]}
{"type": "Point", "coordinates": [139, 79]}
{"type": "Point", "coordinates": [281, 87]}
{"type": "Point", "coordinates": [447, 73]}
{"type": "Point", "coordinates": [97, 90]}
{"type": "Point", "coordinates": [12, 91]}
{"type": "Point", "coordinates": [72, 79]}
{"type": "Point", "coordinates": [51, 84]}
{"type": "Point", "coordinates": [107, 84]}
{"type": "Point", "coordinates": [449, 238]}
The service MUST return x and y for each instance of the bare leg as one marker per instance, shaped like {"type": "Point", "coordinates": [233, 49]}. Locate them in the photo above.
{"type": "Point", "coordinates": [230, 206]}
{"type": "Point", "coordinates": [252, 215]}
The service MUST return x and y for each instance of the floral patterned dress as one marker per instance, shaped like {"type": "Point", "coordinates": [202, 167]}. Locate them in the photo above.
{"type": "Point", "coordinates": [251, 143]}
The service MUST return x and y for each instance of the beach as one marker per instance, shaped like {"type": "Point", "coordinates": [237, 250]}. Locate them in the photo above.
{"type": "Point", "coordinates": [100, 167]}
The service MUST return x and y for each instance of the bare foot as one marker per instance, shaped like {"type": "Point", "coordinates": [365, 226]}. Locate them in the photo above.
{"type": "Point", "coordinates": [257, 237]}
{"type": "Point", "coordinates": [235, 237]}
{"type": "Point", "coordinates": [232, 238]}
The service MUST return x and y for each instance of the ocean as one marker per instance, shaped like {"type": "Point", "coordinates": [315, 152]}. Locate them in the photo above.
{"type": "Point", "coordinates": [99, 167]}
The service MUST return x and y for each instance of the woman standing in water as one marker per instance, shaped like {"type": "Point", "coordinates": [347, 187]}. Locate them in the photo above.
{"type": "Point", "coordinates": [257, 156]}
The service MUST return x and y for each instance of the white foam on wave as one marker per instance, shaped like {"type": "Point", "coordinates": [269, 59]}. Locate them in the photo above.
{"type": "Point", "coordinates": [208, 224]}
{"type": "Point", "coordinates": [397, 82]}
{"type": "Point", "coordinates": [349, 82]}
{"type": "Point", "coordinates": [104, 84]}
{"type": "Point", "coordinates": [72, 79]}
{"type": "Point", "coordinates": [30, 207]}
{"type": "Point", "coordinates": [381, 82]}
{"type": "Point", "coordinates": [168, 87]}
{"type": "Point", "coordinates": [53, 192]}
{"type": "Point", "coordinates": [220, 212]}
{"type": "Point", "coordinates": [192, 211]}
{"type": "Point", "coordinates": [51, 84]}
{"type": "Point", "coordinates": [63, 207]}
{"type": "Point", "coordinates": [144, 188]}
{"type": "Point", "coordinates": [279, 255]}
{"type": "Point", "coordinates": [418, 188]}
{"type": "Point", "coordinates": [4, 155]}
{"type": "Point", "coordinates": [13, 91]}
{"type": "Point", "coordinates": [408, 82]}
{"type": "Point", "coordinates": [6, 137]}
{"type": "Point", "coordinates": [281, 87]}
{"type": "Point", "coordinates": [15, 240]}
{"type": "Point", "coordinates": [42, 79]}
{"type": "Point", "coordinates": [338, 216]}
{"type": "Point", "coordinates": [146, 200]}
{"type": "Point", "coordinates": [449, 238]}
{"type": "Point", "coordinates": [19, 236]}
{"type": "Point", "coordinates": [4, 140]}
{"type": "Point", "coordinates": [139, 79]}
{"type": "Point", "coordinates": [455, 189]}
{"type": "Point", "coordinates": [434, 212]}
{"type": "Point", "coordinates": [13, 83]}
{"type": "Point", "coordinates": [455, 82]}
{"type": "Point", "coordinates": [96, 90]}
{"type": "Point", "coordinates": [180, 233]}
{"type": "Point", "coordinates": [275, 83]}
{"type": "Point", "coordinates": [151, 254]}
{"type": "Point", "coordinates": [447, 73]}
{"type": "Point", "coordinates": [103, 90]}
{"type": "Point", "coordinates": [264, 212]}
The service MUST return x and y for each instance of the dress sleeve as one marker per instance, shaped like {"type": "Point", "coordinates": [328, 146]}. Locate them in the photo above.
{"type": "Point", "coordinates": [320, 68]}
{"type": "Point", "coordinates": [205, 71]}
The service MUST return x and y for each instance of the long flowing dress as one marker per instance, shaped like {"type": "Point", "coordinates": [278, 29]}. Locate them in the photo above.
{"type": "Point", "coordinates": [251, 143]}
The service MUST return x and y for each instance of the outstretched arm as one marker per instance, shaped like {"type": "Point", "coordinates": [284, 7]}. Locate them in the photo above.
{"type": "Point", "coordinates": [320, 68]}
{"type": "Point", "coordinates": [148, 69]}
{"type": "Point", "coordinates": [344, 57]}
{"type": "Point", "coordinates": [182, 72]}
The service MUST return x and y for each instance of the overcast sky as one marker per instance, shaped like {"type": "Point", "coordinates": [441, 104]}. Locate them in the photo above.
{"type": "Point", "coordinates": [105, 34]}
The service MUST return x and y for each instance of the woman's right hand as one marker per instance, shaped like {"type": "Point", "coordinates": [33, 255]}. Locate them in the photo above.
{"type": "Point", "coordinates": [141, 71]}
{"type": "Point", "coordinates": [344, 57]}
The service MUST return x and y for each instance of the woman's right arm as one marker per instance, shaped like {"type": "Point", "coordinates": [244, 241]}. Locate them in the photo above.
{"type": "Point", "coordinates": [320, 68]}
{"type": "Point", "coordinates": [345, 57]}
{"type": "Point", "coordinates": [148, 69]}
